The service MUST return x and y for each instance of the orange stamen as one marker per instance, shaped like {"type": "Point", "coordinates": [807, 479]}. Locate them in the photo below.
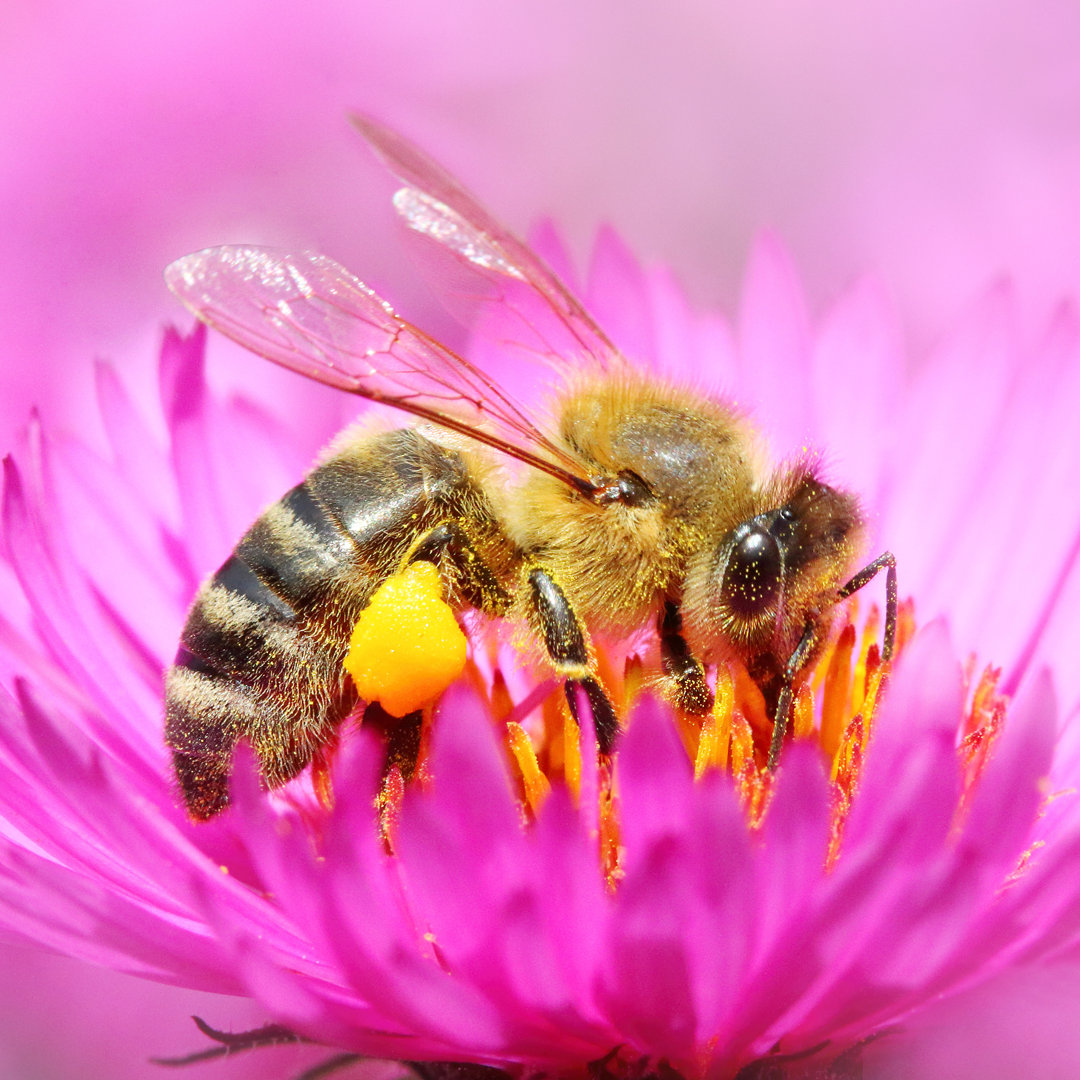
{"type": "Point", "coordinates": [834, 698]}
{"type": "Point", "coordinates": [609, 825]}
{"type": "Point", "coordinates": [802, 713]}
{"type": "Point", "coordinates": [388, 802]}
{"type": "Point", "coordinates": [714, 743]}
{"type": "Point", "coordinates": [535, 782]}
{"type": "Point", "coordinates": [321, 780]}
{"type": "Point", "coordinates": [571, 742]}
{"type": "Point", "coordinates": [871, 631]}
{"type": "Point", "coordinates": [983, 722]}
{"type": "Point", "coordinates": [834, 704]}
{"type": "Point", "coordinates": [501, 702]}
{"type": "Point", "coordinates": [750, 701]}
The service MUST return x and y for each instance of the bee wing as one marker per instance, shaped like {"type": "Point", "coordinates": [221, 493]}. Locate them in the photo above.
{"type": "Point", "coordinates": [526, 306]}
{"type": "Point", "coordinates": [309, 314]}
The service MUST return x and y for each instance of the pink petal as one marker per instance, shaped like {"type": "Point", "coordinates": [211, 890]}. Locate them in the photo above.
{"type": "Point", "coordinates": [856, 365]}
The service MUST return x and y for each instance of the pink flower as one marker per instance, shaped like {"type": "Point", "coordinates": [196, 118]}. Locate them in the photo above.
{"type": "Point", "coordinates": [723, 922]}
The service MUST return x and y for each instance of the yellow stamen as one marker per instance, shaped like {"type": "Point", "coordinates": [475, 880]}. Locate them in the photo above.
{"type": "Point", "coordinates": [802, 713]}
{"type": "Point", "coordinates": [871, 631]}
{"type": "Point", "coordinates": [708, 747]}
{"type": "Point", "coordinates": [609, 825]}
{"type": "Point", "coordinates": [846, 761]}
{"type": "Point", "coordinates": [714, 743]}
{"type": "Point", "coordinates": [535, 782]}
{"type": "Point", "coordinates": [742, 745]}
{"type": "Point", "coordinates": [571, 740]}
{"type": "Point", "coordinates": [723, 707]}
{"type": "Point", "coordinates": [834, 700]}
{"type": "Point", "coordinates": [633, 682]}
{"type": "Point", "coordinates": [874, 681]}
{"type": "Point", "coordinates": [388, 802]}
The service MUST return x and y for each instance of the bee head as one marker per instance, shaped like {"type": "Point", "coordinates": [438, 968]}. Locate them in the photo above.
{"type": "Point", "coordinates": [754, 591]}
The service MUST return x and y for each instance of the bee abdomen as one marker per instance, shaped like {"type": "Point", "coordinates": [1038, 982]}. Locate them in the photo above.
{"type": "Point", "coordinates": [261, 654]}
{"type": "Point", "coordinates": [248, 666]}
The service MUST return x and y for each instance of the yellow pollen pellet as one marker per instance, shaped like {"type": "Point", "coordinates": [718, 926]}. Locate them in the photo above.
{"type": "Point", "coordinates": [406, 647]}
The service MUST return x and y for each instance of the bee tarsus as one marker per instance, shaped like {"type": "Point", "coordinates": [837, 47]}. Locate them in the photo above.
{"type": "Point", "coordinates": [885, 561]}
{"type": "Point", "coordinates": [689, 690]}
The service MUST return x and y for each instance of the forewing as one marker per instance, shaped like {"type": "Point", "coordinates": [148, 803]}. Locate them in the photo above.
{"type": "Point", "coordinates": [311, 315]}
{"type": "Point", "coordinates": [522, 304]}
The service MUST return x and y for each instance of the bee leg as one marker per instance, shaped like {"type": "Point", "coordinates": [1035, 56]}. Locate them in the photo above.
{"type": "Point", "coordinates": [783, 704]}
{"type": "Point", "coordinates": [886, 560]}
{"type": "Point", "coordinates": [403, 744]}
{"type": "Point", "coordinates": [565, 642]}
{"type": "Point", "coordinates": [479, 586]}
{"type": "Point", "coordinates": [402, 736]}
{"type": "Point", "coordinates": [690, 691]}
{"type": "Point", "coordinates": [605, 721]}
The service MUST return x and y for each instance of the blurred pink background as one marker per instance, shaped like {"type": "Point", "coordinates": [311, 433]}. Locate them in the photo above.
{"type": "Point", "coordinates": [937, 144]}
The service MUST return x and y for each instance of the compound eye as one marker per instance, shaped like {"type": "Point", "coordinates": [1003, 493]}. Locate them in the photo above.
{"type": "Point", "coordinates": [752, 578]}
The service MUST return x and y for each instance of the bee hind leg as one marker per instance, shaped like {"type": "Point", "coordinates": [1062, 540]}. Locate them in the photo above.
{"type": "Point", "coordinates": [402, 736]}
{"type": "Point", "coordinates": [450, 543]}
{"type": "Point", "coordinates": [564, 639]}
{"type": "Point", "coordinates": [450, 547]}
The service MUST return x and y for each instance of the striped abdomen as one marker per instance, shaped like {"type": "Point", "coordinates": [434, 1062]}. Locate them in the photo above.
{"type": "Point", "coordinates": [260, 657]}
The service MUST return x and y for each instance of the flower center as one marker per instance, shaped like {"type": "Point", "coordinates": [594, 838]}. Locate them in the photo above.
{"type": "Point", "coordinates": [834, 706]}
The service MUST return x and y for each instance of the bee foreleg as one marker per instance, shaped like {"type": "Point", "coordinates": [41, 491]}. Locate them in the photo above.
{"type": "Point", "coordinates": [885, 560]}
{"type": "Point", "coordinates": [684, 672]}
{"type": "Point", "coordinates": [565, 642]}
{"type": "Point", "coordinates": [783, 704]}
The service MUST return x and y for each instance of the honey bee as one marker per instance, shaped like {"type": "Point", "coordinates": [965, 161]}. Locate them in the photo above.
{"type": "Point", "coordinates": [640, 503]}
